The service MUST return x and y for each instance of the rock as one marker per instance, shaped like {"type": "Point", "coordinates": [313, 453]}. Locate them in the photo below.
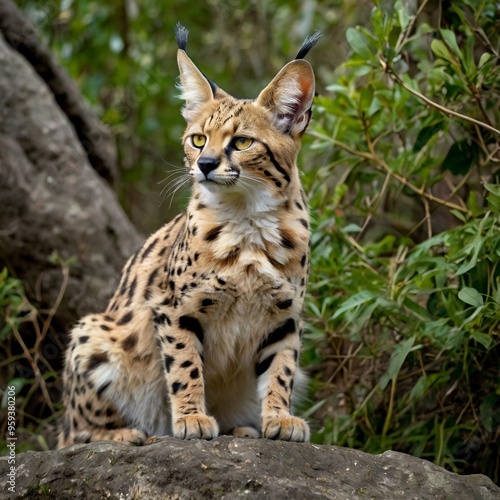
{"type": "Point", "coordinates": [234, 468]}
{"type": "Point", "coordinates": [53, 201]}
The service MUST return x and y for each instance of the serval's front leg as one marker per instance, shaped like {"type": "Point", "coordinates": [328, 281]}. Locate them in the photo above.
{"type": "Point", "coordinates": [181, 343]}
{"type": "Point", "coordinates": [276, 369]}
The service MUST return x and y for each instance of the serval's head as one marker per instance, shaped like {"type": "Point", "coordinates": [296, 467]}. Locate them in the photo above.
{"type": "Point", "coordinates": [244, 149]}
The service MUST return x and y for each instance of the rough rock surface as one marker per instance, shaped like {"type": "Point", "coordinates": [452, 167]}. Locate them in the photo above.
{"type": "Point", "coordinates": [234, 468]}
{"type": "Point", "coordinates": [52, 200]}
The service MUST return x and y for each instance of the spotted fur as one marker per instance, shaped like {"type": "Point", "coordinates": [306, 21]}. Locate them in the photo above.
{"type": "Point", "coordinates": [202, 335]}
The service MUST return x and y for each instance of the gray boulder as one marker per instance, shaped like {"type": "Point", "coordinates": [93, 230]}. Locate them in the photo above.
{"type": "Point", "coordinates": [234, 468]}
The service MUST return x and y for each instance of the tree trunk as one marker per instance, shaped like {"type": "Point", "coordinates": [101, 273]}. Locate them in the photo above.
{"type": "Point", "coordinates": [52, 201]}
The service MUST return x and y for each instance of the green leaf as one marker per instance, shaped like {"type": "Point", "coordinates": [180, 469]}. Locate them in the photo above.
{"type": "Point", "coordinates": [451, 40]}
{"type": "Point", "coordinates": [470, 296]}
{"type": "Point", "coordinates": [494, 195]}
{"type": "Point", "coordinates": [459, 215]}
{"type": "Point", "coordinates": [461, 157]}
{"type": "Point", "coordinates": [490, 411]}
{"type": "Point", "coordinates": [484, 59]}
{"type": "Point", "coordinates": [425, 135]}
{"type": "Point", "coordinates": [482, 338]}
{"type": "Point", "coordinates": [441, 50]}
{"type": "Point", "coordinates": [358, 42]}
{"type": "Point", "coordinates": [403, 17]}
{"type": "Point", "coordinates": [398, 357]}
{"type": "Point", "coordinates": [354, 301]}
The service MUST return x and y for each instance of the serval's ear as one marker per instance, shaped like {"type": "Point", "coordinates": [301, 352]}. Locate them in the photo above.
{"type": "Point", "coordinates": [196, 89]}
{"type": "Point", "coordinates": [289, 97]}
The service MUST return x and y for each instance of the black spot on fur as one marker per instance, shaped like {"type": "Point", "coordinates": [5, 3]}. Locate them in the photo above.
{"type": "Point", "coordinates": [196, 256]}
{"type": "Point", "coordinates": [194, 373]}
{"type": "Point", "coordinates": [166, 301]}
{"type": "Point", "coordinates": [281, 382]}
{"type": "Point", "coordinates": [180, 345]}
{"type": "Point", "coordinates": [168, 362]}
{"type": "Point", "coordinates": [264, 365]}
{"type": "Point", "coordinates": [131, 290]}
{"type": "Point", "coordinates": [284, 304]}
{"type": "Point", "coordinates": [152, 277]}
{"type": "Point", "coordinates": [287, 242]}
{"type": "Point", "coordinates": [125, 318]}
{"type": "Point", "coordinates": [83, 339]}
{"type": "Point", "coordinates": [186, 364]}
{"type": "Point", "coordinates": [192, 325]}
{"type": "Point", "coordinates": [304, 223]}
{"type": "Point", "coordinates": [288, 372]}
{"type": "Point", "coordinates": [287, 328]}
{"type": "Point", "coordinates": [130, 342]}
{"type": "Point", "coordinates": [170, 339]}
{"type": "Point", "coordinates": [277, 166]}
{"type": "Point", "coordinates": [102, 388]}
{"type": "Point", "coordinates": [206, 302]}
{"type": "Point", "coordinates": [148, 249]}
{"type": "Point", "coordinates": [178, 386]}
{"type": "Point", "coordinates": [213, 234]}
{"type": "Point", "coordinates": [96, 359]}
{"type": "Point", "coordinates": [303, 260]}
{"type": "Point", "coordinates": [161, 319]}
{"type": "Point", "coordinates": [106, 328]}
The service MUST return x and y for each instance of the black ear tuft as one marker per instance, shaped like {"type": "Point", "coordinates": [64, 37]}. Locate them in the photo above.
{"type": "Point", "coordinates": [181, 35]}
{"type": "Point", "coordinates": [308, 44]}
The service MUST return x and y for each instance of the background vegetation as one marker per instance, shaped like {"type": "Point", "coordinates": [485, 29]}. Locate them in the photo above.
{"type": "Point", "coordinates": [401, 167]}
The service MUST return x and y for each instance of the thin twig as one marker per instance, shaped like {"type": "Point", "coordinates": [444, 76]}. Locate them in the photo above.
{"type": "Point", "coordinates": [404, 35]}
{"type": "Point", "coordinates": [433, 104]}
{"type": "Point", "coordinates": [36, 371]}
{"type": "Point", "coordinates": [384, 167]}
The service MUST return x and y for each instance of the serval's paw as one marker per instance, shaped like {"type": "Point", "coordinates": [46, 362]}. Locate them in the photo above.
{"type": "Point", "coordinates": [245, 432]}
{"type": "Point", "coordinates": [286, 428]}
{"type": "Point", "coordinates": [197, 426]}
{"type": "Point", "coordinates": [123, 435]}
{"type": "Point", "coordinates": [131, 436]}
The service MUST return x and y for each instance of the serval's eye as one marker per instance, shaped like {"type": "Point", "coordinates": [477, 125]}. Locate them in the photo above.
{"type": "Point", "coordinates": [241, 143]}
{"type": "Point", "coordinates": [198, 141]}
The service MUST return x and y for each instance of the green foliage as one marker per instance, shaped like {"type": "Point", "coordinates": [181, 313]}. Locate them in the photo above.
{"type": "Point", "coordinates": [26, 339]}
{"type": "Point", "coordinates": [11, 300]}
{"type": "Point", "coordinates": [404, 303]}
{"type": "Point", "coordinates": [400, 166]}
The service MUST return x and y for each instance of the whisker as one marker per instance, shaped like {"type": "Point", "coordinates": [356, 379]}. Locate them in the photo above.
{"type": "Point", "coordinates": [253, 179]}
{"type": "Point", "coordinates": [170, 164]}
{"type": "Point", "coordinates": [173, 187]}
{"type": "Point", "coordinates": [175, 171]}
